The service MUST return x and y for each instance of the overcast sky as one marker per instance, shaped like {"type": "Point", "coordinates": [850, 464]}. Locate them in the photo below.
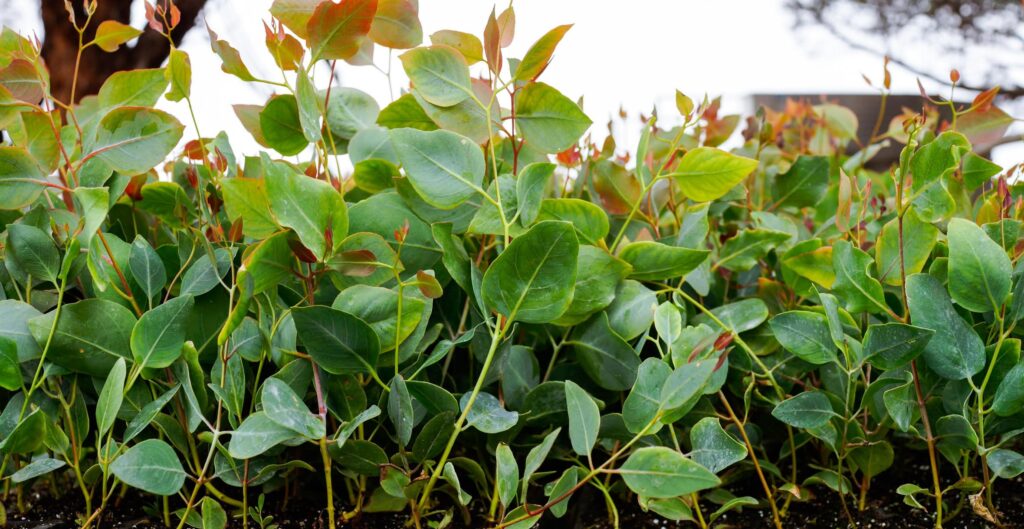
{"type": "Point", "coordinates": [634, 54]}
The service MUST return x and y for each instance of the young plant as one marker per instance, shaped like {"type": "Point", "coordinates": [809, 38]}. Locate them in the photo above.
{"type": "Point", "coordinates": [490, 312]}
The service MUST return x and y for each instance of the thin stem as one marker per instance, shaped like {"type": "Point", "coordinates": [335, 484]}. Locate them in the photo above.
{"type": "Point", "coordinates": [753, 457]}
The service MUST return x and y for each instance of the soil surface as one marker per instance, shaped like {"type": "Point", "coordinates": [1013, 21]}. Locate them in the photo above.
{"type": "Point", "coordinates": [884, 510]}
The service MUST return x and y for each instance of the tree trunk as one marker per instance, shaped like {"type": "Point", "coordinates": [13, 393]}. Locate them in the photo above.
{"type": "Point", "coordinates": [60, 45]}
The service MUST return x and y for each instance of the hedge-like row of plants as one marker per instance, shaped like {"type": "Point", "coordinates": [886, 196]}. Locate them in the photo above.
{"type": "Point", "coordinates": [491, 313]}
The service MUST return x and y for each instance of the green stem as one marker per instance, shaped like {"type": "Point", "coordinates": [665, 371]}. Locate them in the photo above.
{"type": "Point", "coordinates": [496, 337]}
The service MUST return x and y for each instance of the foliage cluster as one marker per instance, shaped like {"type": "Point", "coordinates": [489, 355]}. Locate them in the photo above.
{"type": "Point", "coordinates": [490, 308]}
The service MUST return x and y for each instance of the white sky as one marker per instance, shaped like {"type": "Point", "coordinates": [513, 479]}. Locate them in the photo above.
{"type": "Point", "coordinates": [632, 54]}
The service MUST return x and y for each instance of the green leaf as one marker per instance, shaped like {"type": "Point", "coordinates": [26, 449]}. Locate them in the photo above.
{"type": "Point", "coordinates": [644, 400]}
{"type": "Point", "coordinates": [146, 267]}
{"type": "Point", "coordinates": [1006, 464]}
{"type": "Point", "coordinates": [873, 459]}
{"type": "Point", "coordinates": [213, 515]}
{"type": "Point", "coordinates": [466, 43]}
{"type": "Point", "coordinates": [231, 60]}
{"type": "Point", "coordinates": [111, 396]}
{"type": "Point", "coordinates": [659, 472]}
{"type": "Point", "coordinates": [742, 252]}
{"type": "Point", "coordinates": [686, 383]}
{"type": "Point", "coordinates": [281, 125]}
{"type": "Point", "coordinates": [706, 173]}
{"type": "Point", "coordinates": [804, 184]}
{"type": "Point", "coordinates": [506, 474]}
{"type": "Point", "coordinates": [854, 285]}
{"type": "Point", "coordinates": [523, 512]}
{"type": "Point", "coordinates": [179, 75]}
{"type": "Point", "coordinates": [539, 55]}
{"type": "Point", "coordinates": [90, 336]}
{"type": "Point", "coordinates": [487, 413]}
{"type": "Point", "coordinates": [632, 311]}
{"type": "Point", "coordinates": [294, 14]}
{"type": "Point", "coordinates": [918, 240]}
{"type": "Point", "coordinates": [739, 316]}
{"type": "Point", "coordinates": [433, 436]}
{"type": "Point", "coordinates": [977, 170]}
{"type": "Point", "coordinates": [589, 219]}
{"type": "Point", "coordinates": [10, 369]}
{"type": "Point", "coordinates": [405, 112]}
{"type": "Point", "coordinates": [148, 413]}
{"type": "Point", "coordinates": [653, 261]}
{"type": "Point", "coordinates": [532, 280]}
{"type": "Point", "coordinates": [151, 466]}
{"type": "Point", "coordinates": [439, 74]}
{"type": "Point", "coordinates": [805, 334]}
{"type": "Point", "coordinates": [894, 345]}
{"type": "Point", "coordinates": [256, 435]}
{"type": "Point", "coordinates": [955, 352]}
{"type": "Point", "coordinates": [20, 178]}
{"type": "Point", "coordinates": [14, 318]}
{"type": "Point", "coordinates": [713, 447]}
{"type": "Point", "coordinates": [565, 486]}
{"type": "Point", "coordinates": [335, 31]}
{"type": "Point", "coordinates": [931, 167]}
{"type": "Point", "coordinates": [337, 341]}
{"type": "Point", "coordinates": [531, 185]}
{"type": "Point", "coordinates": [206, 272]}
{"type": "Point", "coordinates": [378, 307]}
{"type": "Point", "coordinates": [668, 322]}
{"type": "Point", "coordinates": [350, 111]}
{"type": "Point", "coordinates": [900, 402]}
{"type": "Point", "coordinates": [36, 468]}
{"type": "Point", "coordinates": [548, 121]}
{"type": "Point", "coordinates": [34, 251]}
{"type": "Point", "coordinates": [1009, 398]}
{"type": "Point", "coordinates": [584, 418]}
{"type": "Point", "coordinates": [312, 208]}
{"type": "Point", "coordinates": [159, 334]}
{"type": "Point", "coordinates": [133, 140]}
{"type": "Point", "coordinates": [979, 269]}
{"type": "Point", "coordinates": [246, 199]}
{"type": "Point", "coordinates": [284, 407]}
{"type": "Point", "coordinates": [535, 458]}
{"type": "Point", "coordinates": [444, 168]}
{"type": "Point", "coordinates": [269, 262]}
{"type": "Point", "coordinates": [604, 355]}
{"type": "Point", "coordinates": [131, 88]}
{"type": "Point", "coordinates": [111, 34]}
{"type": "Point", "coordinates": [810, 409]}
{"type": "Point", "coordinates": [400, 410]}
{"type": "Point", "coordinates": [28, 435]}
{"type": "Point", "coordinates": [310, 107]}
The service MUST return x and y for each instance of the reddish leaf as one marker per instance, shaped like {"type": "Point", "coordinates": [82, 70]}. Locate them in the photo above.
{"type": "Point", "coordinates": [21, 79]}
{"type": "Point", "coordinates": [355, 263]}
{"type": "Point", "coordinates": [151, 17]}
{"type": "Point", "coordinates": [286, 50]}
{"type": "Point", "coordinates": [336, 30]}
{"type": "Point", "coordinates": [428, 284]}
{"type": "Point", "coordinates": [304, 254]}
{"type": "Point", "coordinates": [397, 24]}
{"type": "Point", "coordinates": [983, 101]}
{"type": "Point", "coordinates": [506, 27]}
{"type": "Point", "coordinates": [492, 43]}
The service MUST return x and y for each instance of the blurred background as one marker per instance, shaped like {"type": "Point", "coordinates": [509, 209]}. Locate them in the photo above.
{"type": "Point", "coordinates": [625, 57]}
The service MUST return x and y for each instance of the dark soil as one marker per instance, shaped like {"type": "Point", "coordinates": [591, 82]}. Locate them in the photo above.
{"type": "Point", "coordinates": [884, 510]}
